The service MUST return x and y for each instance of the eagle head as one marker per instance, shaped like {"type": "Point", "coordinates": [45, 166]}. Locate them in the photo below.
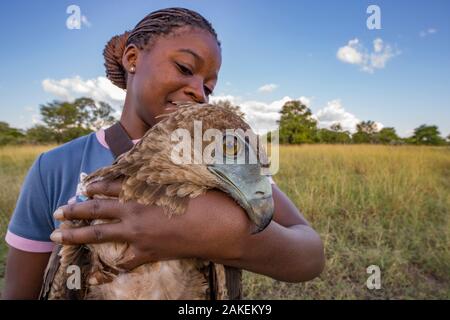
{"type": "Point", "coordinates": [222, 148]}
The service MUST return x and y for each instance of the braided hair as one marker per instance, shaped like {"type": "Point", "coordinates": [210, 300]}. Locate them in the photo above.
{"type": "Point", "coordinates": [160, 22]}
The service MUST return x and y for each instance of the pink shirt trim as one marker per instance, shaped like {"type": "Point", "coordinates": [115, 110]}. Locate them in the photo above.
{"type": "Point", "coordinates": [100, 134]}
{"type": "Point", "coordinates": [27, 244]}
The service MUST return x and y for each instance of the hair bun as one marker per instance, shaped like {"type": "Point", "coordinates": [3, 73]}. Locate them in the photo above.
{"type": "Point", "coordinates": [113, 60]}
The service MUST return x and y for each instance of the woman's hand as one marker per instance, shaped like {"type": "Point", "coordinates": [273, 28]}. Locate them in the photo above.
{"type": "Point", "coordinates": [213, 228]}
{"type": "Point", "coordinates": [151, 235]}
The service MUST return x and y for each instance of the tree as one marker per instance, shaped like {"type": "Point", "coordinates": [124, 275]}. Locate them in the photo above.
{"type": "Point", "coordinates": [94, 115]}
{"type": "Point", "coordinates": [340, 136]}
{"type": "Point", "coordinates": [296, 124]}
{"type": "Point", "coordinates": [428, 135]}
{"type": "Point", "coordinates": [9, 135]}
{"type": "Point", "coordinates": [360, 137]}
{"type": "Point", "coordinates": [331, 136]}
{"type": "Point", "coordinates": [370, 127]}
{"type": "Point", "coordinates": [324, 136]}
{"type": "Point", "coordinates": [387, 136]}
{"type": "Point", "coordinates": [40, 134]}
{"type": "Point", "coordinates": [365, 132]}
{"type": "Point", "coordinates": [71, 120]}
{"type": "Point", "coordinates": [336, 127]}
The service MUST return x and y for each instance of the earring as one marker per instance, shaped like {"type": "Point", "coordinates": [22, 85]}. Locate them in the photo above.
{"type": "Point", "coordinates": [132, 69]}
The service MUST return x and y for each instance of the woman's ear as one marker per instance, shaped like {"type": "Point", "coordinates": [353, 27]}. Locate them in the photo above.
{"type": "Point", "coordinates": [129, 57]}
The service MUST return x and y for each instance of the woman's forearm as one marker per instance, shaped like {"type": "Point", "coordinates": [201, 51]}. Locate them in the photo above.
{"type": "Point", "coordinates": [293, 253]}
{"type": "Point", "coordinates": [24, 274]}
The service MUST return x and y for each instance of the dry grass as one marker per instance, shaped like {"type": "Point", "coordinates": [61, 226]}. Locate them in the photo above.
{"type": "Point", "coordinates": [381, 205]}
{"type": "Point", "coordinates": [14, 163]}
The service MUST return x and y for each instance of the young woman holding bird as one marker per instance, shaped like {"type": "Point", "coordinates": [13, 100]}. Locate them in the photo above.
{"type": "Point", "coordinates": [171, 55]}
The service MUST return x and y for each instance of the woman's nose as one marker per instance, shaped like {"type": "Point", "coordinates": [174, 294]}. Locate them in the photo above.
{"type": "Point", "coordinates": [196, 92]}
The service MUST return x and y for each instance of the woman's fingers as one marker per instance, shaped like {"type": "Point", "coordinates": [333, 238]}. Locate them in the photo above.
{"type": "Point", "coordinates": [110, 189]}
{"type": "Point", "coordinates": [90, 210]}
{"type": "Point", "coordinates": [91, 234]}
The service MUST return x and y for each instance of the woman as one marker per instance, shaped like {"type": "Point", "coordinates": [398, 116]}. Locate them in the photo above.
{"type": "Point", "coordinates": [171, 55]}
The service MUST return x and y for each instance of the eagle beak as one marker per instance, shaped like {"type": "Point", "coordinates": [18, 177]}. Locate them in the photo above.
{"type": "Point", "coordinates": [249, 188]}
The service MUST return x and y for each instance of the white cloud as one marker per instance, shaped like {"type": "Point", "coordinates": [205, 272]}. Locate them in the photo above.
{"type": "Point", "coordinates": [350, 53]}
{"type": "Point", "coordinates": [99, 89]}
{"type": "Point", "coordinates": [306, 101]}
{"type": "Point", "coordinates": [378, 45]}
{"type": "Point", "coordinates": [334, 113]}
{"type": "Point", "coordinates": [355, 53]}
{"type": "Point", "coordinates": [36, 119]}
{"type": "Point", "coordinates": [59, 91]}
{"type": "Point", "coordinates": [427, 32]}
{"type": "Point", "coordinates": [268, 87]}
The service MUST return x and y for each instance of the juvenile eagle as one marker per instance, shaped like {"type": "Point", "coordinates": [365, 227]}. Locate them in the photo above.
{"type": "Point", "coordinates": [150, 176]}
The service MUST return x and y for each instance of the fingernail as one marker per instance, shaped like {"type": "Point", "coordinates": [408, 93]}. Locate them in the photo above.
{"type": "Point", "coordinates": [56, 236]}
{"type": "Point", "coordinates": [58, 214]}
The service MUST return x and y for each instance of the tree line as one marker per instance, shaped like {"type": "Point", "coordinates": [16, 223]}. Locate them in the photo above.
{"type": "Point", "coordinates": [297, 126]}
{"type": "Point", "coordinates": [63, 121]}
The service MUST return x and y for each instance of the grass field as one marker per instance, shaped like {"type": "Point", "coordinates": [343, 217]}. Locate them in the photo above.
{"type": "Point", "coordinates": [372, 205]}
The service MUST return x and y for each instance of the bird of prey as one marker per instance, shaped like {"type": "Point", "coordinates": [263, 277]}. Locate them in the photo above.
{"type": "Point", "coordinates": [150, 176]}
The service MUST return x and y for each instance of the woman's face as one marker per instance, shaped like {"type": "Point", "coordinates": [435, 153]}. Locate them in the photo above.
{"type": "Point", "coordinates": [182, 66]}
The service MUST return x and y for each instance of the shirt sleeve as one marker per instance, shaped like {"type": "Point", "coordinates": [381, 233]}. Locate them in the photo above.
{"type": "Point", "coordinates": [31, 223]}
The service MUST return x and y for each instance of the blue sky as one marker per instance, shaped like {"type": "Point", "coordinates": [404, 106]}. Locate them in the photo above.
{"type": "Point", "coordinates": [321, 51]}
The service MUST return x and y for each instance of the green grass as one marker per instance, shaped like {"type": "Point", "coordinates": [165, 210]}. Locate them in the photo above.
{"type": "Point", "coordinates": [381, 205]}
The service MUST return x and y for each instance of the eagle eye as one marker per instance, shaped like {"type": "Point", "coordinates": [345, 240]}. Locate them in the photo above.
{"type": "Point", "coordinates": [231, 146]}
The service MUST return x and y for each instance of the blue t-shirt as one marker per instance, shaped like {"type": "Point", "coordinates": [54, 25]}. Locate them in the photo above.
{"type": "Point", "coordinates": [53, 181]}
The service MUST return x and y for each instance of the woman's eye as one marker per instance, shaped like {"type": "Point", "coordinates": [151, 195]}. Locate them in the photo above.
{"type": "Point", "coordinates": [184, 70]}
